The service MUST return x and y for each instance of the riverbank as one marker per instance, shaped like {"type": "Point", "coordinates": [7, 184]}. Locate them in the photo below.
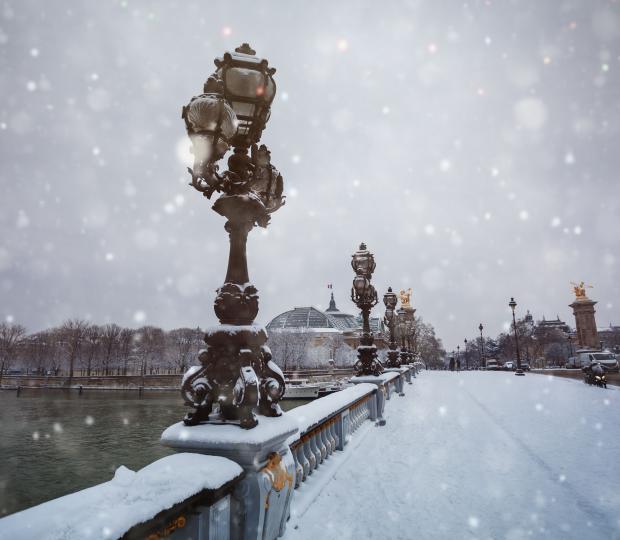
{"type": "Point", "coordinates": [105, 382]}
{"type": "Point", "coordinates": [159, 382]}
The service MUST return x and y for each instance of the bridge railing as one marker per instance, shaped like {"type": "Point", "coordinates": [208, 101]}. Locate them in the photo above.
{"type": "Point", "coordinates": [240, 486]}
{"type": "Point", "coordinates": [326, 425]}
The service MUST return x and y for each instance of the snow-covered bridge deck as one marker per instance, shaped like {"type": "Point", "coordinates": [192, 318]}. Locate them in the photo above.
{"type": "Point", "coordinates": [475, 455]}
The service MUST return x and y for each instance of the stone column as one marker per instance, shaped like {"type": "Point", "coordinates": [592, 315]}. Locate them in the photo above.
{"type": "Point", "coordinates": [587, 334]}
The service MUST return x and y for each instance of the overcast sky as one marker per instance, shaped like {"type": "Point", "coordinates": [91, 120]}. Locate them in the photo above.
{"type": "Point", "coordinates": [474, 146]}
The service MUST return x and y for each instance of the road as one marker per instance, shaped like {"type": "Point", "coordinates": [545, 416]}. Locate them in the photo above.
{"type": "Point", "coordinates": [479, 455]}
{"type": "Point", "coordinates": [612, 378]}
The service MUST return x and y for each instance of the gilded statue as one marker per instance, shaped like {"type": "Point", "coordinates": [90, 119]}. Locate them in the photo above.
{"type": "Point", "coordinates": [405, 298]}
{"type": "Point", "coordinates": [580, 289]}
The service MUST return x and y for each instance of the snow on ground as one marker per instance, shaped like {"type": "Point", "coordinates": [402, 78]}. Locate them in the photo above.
{"type": "Point", "coordinates": [479, 455]}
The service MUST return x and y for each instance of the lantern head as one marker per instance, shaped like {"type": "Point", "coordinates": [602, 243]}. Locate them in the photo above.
{"type": "Point", "coordinates": [211, 123]}
{"type": "Point", "coordinates": [249, 88]}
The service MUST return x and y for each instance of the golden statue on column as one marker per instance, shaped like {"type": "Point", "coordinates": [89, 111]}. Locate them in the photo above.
{"type": "Point", "coordinates": [580, 289]}
{"type": "Point", "coordinates": [405, 298]}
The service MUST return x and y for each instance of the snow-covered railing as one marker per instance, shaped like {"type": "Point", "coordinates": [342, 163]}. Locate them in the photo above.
{"type": "Point", "coordinates": [326, 425]}
{"type": "Point", "coordinates": [224, 483]}
{"type": "Point", "coordinates": [185, 494]}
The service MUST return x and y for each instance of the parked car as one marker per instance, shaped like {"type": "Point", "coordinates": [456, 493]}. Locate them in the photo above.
{"type": "Point", "coordinates": [509, 366]}
{"type": "Point", "coordinates": [492, 365]}
{"type": "Point", "coordinates": [585, 357]}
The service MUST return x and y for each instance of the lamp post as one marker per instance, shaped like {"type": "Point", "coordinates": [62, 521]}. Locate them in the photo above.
{"type": "Point", "coordinates": [512, 304]}
{"type": "Point", "coordinates": [481, 351]}
{"type": "Point", "coordinates": [466, 356]}
{"type": "Point", "coordinates": [364, 296]}
{"type": "Point", "coordinates": [458, 358]}
{"type": "Point", "coordinates": [391, 300]}
{"type": "Point", "coordinates": [570, 345]}
{"type": "Point", "coordinates": [236, 375]}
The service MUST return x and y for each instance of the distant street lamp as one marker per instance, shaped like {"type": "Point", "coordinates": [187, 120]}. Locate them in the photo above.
{"type": "Point", "coordinates": [458, 357]}
{"type": "Point", "coordinates": [364, 296]}
{"type": "Point", "coordinates": [391, 300]}
{"type": "Point", "coordinates": [236, 374]}
{"type": "Point", "coordinates": [570, 345]}
{"type": "Point", "coordinates": [512, 304]}
{"type": "Point", "coordinates": [481, 350]}
{"type": "Point", "coordinates": [466, 356]}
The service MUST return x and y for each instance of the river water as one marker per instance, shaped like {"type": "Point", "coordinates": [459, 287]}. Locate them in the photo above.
{"type": "Point", "coordinates": [54, 442]}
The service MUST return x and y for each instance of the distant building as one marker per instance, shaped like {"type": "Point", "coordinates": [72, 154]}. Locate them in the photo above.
{"type": "Point", "coordinates": [610, 337]}
{"type": "Point", "coordinates": [326, 327]}
{"type": "Point", "coordinates": [553, 324]}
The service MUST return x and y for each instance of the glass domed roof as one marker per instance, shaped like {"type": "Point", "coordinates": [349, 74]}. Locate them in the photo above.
{"type": "Point", "coordinates": [302, 317]}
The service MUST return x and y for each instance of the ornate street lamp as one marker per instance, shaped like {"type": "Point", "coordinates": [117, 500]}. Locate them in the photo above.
{"type": "Point", "coordinates": [236, 375]}
{"type": "Point", "coordinates": [481, 351]}
{"type": "Point", "coordinates": [391, 300]}
{"type": "Point", "coordinates": [512, 304]}
{"type": "Point", "coordinates": [364, 296]}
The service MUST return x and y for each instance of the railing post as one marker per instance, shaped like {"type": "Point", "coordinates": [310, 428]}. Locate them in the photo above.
{"type": "Point", "coordinates": [260, 504]}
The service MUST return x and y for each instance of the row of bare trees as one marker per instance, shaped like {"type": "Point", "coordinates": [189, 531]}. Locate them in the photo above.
{"type": "Point", "coordinates": [301, 348]}
{"type": "Point", "coordinates": [78, 347]}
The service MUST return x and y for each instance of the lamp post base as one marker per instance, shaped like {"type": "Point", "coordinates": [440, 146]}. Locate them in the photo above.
{"type": "Point", "coordinates": [520, 373]}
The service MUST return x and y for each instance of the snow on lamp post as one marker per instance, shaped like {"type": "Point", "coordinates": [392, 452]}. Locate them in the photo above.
{"type": "Point", "coordinates": [481, 328]}
{"type": "Point", "coordinates": [236, 375]}
{"type": "Point", "coordinates": [512, 304]}
{"type": "Point", "coordinates": [364, 296]}
{"type": "Point", "coordinates": [391, 300]}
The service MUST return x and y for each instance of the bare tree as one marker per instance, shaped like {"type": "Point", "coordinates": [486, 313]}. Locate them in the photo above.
{"type": "Point", "coordinates": [11, 336]}
{"type": "Point", "coordinates": [428, 347]}
{"type": "Point", "coordinates": [125, 343]}
{"type": "Point", "coordinates": [184, 342]}
{"type": "Point", "coordinates": [335, 345]}
{"type": "Point", "coordinates": [91, 339]}
{"type": "Point", "coordinates": [73, 332]}
{"type": "Point", "coordinates": [110, 344]}
{"type": "Point", "coordinates": [289, 347]}
{"type": "Point", "coordinates": [151, 345]}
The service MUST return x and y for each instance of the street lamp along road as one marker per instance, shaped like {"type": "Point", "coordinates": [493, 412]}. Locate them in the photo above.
{"type": "Point", "coordinates": [237, 375]}
{"type": "Point", "coordinates": [512, 304]}
{"type": "Point", "coordinates": [481, 351]}
{"type": "Point", "coordinates": [466, 356]}
{"type": "Point", "coordinates": [364, 296]}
